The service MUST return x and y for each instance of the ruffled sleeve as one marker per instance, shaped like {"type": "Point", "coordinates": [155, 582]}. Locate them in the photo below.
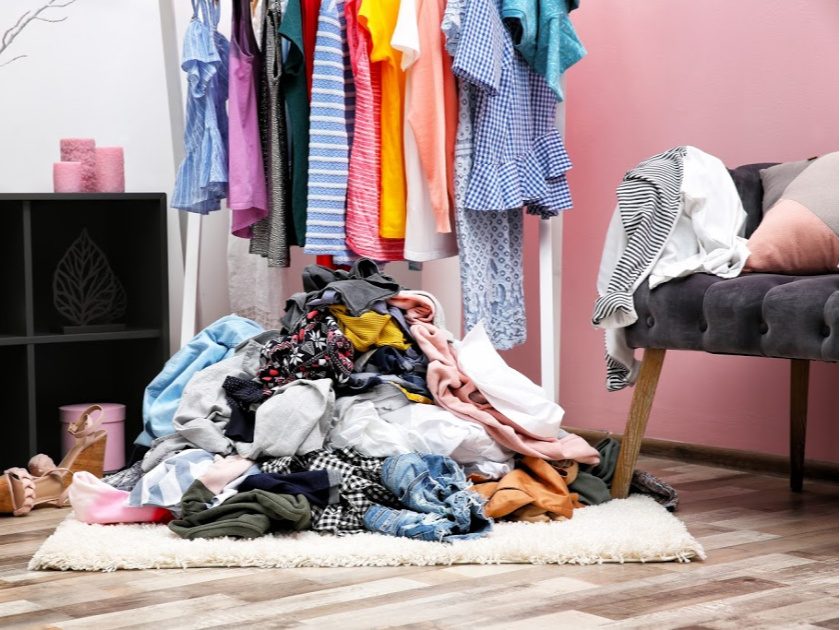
{"type": "Point", "coordinates": [200, 59]}
{"type": "Point", "coordinates": [479, 57]}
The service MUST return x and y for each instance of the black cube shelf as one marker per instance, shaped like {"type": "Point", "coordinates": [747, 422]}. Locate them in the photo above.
{"type": "Point", "coordinates": [41, 366]}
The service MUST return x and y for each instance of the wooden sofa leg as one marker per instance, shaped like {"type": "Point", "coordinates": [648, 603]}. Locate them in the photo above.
{"type": "Point", "coordinates": [799, 369]}
{"type": "Point", "coordinates": [637, 421]}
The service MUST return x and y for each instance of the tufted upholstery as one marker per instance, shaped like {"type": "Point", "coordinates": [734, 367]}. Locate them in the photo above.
{"type": "Point", "coordinates": [766, 315]}
{"type": "Point", "coordinates": [759, 314]}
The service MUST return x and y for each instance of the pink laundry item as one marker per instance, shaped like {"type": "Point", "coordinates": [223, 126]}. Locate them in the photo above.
{"type": "Point", "coordinates": [81, 150]}
{"type": "Point", "coordinates": [420, 307]}
{"type": "Point", "coordinates": [110, 169]}
{"type": "Point", "coordinates": [363, 180]}
{"type": "Point", "coordinates": [455, 391]}
{"type": "Point", "coordinates": [94, 501]}
{"type": "Point", "coordinates": [224, 470]}
{"type": "Point", "coordinates": [67, 177]}
{"type": "Point", "coordinates": [247, 197]}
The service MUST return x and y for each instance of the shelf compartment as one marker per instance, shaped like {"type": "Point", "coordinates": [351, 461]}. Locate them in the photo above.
{"type": "Point", "coordinates": [13, 270]}
{"type": "Point", "coordinates": [130, 232]}
{"type": "Point", "coordinates": [102, 371]}
{"type": "Point", "coordinates": [14, 447]}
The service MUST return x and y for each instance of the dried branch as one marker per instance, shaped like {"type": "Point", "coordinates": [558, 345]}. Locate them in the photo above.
{"type": "Point", "coordinates": [27, 18]}
{"type": "Point", "coordinates": [6, 63]}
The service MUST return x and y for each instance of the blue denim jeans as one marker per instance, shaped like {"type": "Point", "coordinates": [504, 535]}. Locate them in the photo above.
{"type": "Point", "coordinates": [440, 505]}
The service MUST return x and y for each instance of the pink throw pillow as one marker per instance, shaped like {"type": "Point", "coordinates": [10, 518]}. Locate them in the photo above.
{"type": "Point", "coordinates": [793, 240]}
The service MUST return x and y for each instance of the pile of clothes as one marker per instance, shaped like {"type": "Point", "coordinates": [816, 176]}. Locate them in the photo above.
{"type": "Point", "coordinates": [362, 414]}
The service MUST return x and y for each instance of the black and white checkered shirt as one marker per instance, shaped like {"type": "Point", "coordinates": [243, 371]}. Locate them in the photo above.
{"type": "Point", "coordinates": [361, 486]}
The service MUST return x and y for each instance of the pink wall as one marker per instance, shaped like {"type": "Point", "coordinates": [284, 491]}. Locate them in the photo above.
{"type": "Point", "coordinates": [748, 81]}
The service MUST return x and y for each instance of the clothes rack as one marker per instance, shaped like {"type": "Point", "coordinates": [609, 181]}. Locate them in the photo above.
{"type": "Point", "coordinates": [550, 246]}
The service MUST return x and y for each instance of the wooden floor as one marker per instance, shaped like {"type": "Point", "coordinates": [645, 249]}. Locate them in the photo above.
{"type": "Point", "coordinates": [772, 564]}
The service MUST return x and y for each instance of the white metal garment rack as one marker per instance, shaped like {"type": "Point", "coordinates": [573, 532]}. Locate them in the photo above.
{"type": "Point", "coordinates": [550, 246]}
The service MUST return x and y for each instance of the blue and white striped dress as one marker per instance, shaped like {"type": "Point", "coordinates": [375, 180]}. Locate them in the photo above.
{"type": "Point", "coordinates": [330, 135]}
{"type": "Point", "coordinates": [202, 179]}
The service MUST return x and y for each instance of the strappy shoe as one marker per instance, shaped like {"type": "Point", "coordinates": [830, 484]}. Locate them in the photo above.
{"type": "Point", "coordinates": [88, 453]}
{"type": "Point", "coordinates": [44, 482]}
{"type": "Point", "coordinates": [20, 491]}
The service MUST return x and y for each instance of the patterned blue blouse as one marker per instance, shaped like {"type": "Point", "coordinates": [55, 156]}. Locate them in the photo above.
{"type": "Point", "coordinates": [202, 179]}
{"type": "Point", "coordinates": [519, 158]}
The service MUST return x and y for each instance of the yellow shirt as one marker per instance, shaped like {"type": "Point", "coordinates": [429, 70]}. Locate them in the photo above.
{"type": "Point", "coordinates": [380, 18]}
{"type": "Point", "coordinates": [369, 330]}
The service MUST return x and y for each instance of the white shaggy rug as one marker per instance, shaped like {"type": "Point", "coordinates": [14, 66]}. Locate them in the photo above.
{"type": "Point", "coordinates": [630, 530]}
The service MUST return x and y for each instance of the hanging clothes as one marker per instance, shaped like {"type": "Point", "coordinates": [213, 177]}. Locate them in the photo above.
{"type": "Point", "coordinates": [430, 120]}
{"type": "Point", "coordinates": [202, 179]}
{"type": "Point", "coordinates": [364, 175]}
{"type": "Point", "coordinates": [380, 19]}
{"type": "Point", "coordinates": [293, 85]}
{"type": "Point", "coordinates": [489, 243]}
{"type": "Point", "coordinates": [270, 238]}
{"type": "Point", "coordinates": [309, 11]}
{"type": "Point", "coordinates": [255, 290]}
{"type": "Point", "coordinates": [330, 131]}
{"type": "Point", "coordinates": [247, 198]}
{"type": "Point", "coordinates": [519, 158]}
{"type": "Point", "coordinates": [545, 37]}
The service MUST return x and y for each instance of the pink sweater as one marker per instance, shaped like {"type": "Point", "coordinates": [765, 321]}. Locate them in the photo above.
{"type": "Point", "coordinates": [453, 390]}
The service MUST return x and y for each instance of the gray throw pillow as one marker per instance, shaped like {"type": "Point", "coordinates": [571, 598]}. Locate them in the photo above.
{"type": "Point", "coordinates": [817, 189]}
{"type": "Point", "coordinates": [776, 178]}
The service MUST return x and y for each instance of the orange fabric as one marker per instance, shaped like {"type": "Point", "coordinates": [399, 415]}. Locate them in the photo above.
{"type": "Point", "coordinates": [379, 17]}
{"type": "Point", "coordinates": [537, 485]}
{"type": "Point", "coordinates": [433, 110]}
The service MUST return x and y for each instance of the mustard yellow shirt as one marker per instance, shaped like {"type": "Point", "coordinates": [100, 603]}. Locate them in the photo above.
{"type": "Point", "coordinates": [369, 330]}
{"type": "Point", "coordinates": [380, 19]}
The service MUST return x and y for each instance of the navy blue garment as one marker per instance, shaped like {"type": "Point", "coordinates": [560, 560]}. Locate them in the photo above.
{"type": "Point", "coordinates": [320, 487]}
{"type": "Point", "coordinates": [440, 505]}
{"type": "Point", "coordinates": [241, 395]}
{"type": "Point", "coordinates": [386, 364]}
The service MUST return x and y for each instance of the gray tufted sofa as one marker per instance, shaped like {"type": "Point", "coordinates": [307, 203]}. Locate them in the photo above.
{"type": "Point", "coordinates": [766, 315]}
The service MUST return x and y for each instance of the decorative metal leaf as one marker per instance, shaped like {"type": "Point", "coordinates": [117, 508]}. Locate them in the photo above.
{"type": "Point", "coordinates": [85, 289]}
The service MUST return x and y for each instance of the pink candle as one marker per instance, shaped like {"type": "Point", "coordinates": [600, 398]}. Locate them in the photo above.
{"type": "Point", "coordinates": [110, 169]}
{"type": "Point", "coordinates": [67, 177]}
{"type": "Point", "coordinates": [81, 150]}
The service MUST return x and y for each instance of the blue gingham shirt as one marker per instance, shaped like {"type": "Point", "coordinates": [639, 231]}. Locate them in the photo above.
{"type": "Point", "coordinates": [519, 158]}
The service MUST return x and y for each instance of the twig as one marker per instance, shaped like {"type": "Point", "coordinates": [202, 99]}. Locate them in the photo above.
{"type": "Point", "coordinates": [6, 63]}
{"type": "Point", "coordinates": [24, 20]}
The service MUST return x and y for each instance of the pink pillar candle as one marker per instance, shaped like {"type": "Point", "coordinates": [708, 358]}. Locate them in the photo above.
{"type": "Point", "coordinates": [81, 150]}
{"type": "Point", "coordinates": [67, 177]}
{"type": "Point", "coordinates": [110, 169]}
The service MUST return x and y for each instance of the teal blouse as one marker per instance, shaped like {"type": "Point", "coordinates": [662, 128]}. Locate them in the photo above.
{"type": "Point", "coordinates": [544, 36]}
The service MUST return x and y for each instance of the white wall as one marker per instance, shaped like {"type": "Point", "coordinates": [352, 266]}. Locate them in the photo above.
{"type": "Point", "coordinates": [97, 74]}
